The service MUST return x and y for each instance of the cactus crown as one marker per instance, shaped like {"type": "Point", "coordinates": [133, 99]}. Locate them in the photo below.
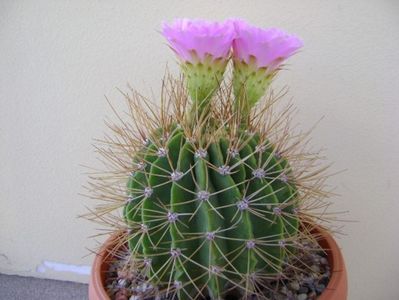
{"type": "Point", "coordinates": [214, 195]}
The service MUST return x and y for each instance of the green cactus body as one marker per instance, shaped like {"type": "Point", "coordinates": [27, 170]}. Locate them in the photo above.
{"type": "Point", "coordinates": [206, 219]}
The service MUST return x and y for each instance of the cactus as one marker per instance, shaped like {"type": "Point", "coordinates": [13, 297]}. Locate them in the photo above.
{"type": "Point", "coordinates": [210, 214]}
{"type": "Point", "coordinates": [219, 192]}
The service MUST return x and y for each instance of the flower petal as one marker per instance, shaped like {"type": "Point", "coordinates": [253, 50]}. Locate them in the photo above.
{"type": "Point", "coordinates": [201, 37]}
{"type": "Point", "coordinates": [270, 47]}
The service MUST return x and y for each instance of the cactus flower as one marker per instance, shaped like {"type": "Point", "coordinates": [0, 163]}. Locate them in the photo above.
{"type": "Point", "coordinates": [203, 48]}
{"type": "Point", "coordinates": [258, 54]}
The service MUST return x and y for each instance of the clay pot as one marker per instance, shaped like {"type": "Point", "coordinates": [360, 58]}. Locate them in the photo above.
{"type": "Point", "coordinates": [337, 288]}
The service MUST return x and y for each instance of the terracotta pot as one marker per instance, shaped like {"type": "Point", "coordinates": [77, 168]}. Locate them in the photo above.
{"type": "Point", "coordinates": [337, 288]}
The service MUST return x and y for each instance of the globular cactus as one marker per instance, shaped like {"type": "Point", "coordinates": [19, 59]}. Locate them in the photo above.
{"type": "Point", "coordinates": [210, 213]}
{"type": "Point", "coordinates": [219, 192]}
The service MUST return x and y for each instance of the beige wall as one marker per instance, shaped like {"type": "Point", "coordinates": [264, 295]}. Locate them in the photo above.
{"type": "Point", "coordinates": [57, 61]}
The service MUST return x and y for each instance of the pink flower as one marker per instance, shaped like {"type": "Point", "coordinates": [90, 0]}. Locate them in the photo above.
{"type": "Point", "coordinates": [192, 40]}
{"type": "Point", "coordinates": [204, 49]}
{"type": "Point", "coordinates": [269, 47]}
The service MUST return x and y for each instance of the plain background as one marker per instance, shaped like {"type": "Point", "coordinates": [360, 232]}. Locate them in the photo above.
{"type": "Point", "coordinates": [59, 58]}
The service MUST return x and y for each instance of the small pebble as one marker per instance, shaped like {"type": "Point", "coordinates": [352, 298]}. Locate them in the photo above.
{"type": "Point", "coordinates": [283, 290]}
{"type": "Point", "coordinates": [122, 295]}
{"type": "Point", "coordinates": [311, 287]}
{"type": "Point", "coordinates": [122, 283]}
{"type": "Point", "coordinates": [303, 290]}
{"type": "Point", "coordinates": [315, 268]}
{"type": "Point", "coordinates": [312, 296]}
{"type": "Point", "coordinates": [320, 288]}
{"type": "Point", "coordinates": [302, 297]}
{"type": "Point", "coordinates": [295, 285]}
{"type": "Point", "coordinates": [324, 261]}
{"type": "Point", "coordinates": [308, 280]}
{"type": "Point", "coordinates": [324, 280]}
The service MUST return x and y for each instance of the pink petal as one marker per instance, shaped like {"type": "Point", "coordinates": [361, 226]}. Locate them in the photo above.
{"type": "Point", "coordinates": [270, 46]}
{"type": "Point", "coordinates": [204, 37]}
